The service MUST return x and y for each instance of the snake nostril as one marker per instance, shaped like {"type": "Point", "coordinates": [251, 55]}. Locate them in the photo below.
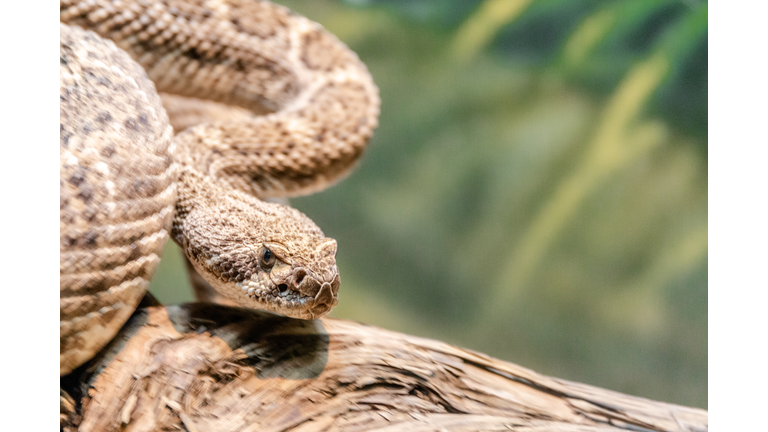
{"type": "Point", "coordinates": [282, 287]}
{"type": "Point", "coordinates": [300, 274]}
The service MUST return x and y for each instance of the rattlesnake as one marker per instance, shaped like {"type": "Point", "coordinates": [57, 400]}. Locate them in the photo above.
{"type": "Point", "coordinates": [128, 184]}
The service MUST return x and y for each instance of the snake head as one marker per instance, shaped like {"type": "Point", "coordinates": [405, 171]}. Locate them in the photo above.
{"type": "Point", "coordinates": [261, 255]}
{"type": "Point", "coordinates": [300, 286]}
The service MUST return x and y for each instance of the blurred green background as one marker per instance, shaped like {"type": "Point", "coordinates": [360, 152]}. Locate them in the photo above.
{"type": "Point", "coordinates": [536, 189]}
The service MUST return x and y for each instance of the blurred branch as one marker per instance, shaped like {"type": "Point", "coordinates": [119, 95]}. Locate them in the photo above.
{"type": "Point", "coordinates": [480, 28]}
{"type": "Point", "coordinates": [588, 35]}
{"type": "Point", "coordinates": [616, 143]}
{"type": "Point", "coordinates": [643, 293]}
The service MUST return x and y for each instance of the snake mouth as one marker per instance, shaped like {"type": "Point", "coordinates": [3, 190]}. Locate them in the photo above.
{"type": "Point", "coordinates": [305, 298]}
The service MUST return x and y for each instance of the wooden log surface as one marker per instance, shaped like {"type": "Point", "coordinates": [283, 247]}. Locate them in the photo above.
{"type": "Point", "coordinates": [206, 367]}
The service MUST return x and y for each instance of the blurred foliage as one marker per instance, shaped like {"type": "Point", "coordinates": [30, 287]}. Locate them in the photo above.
{"type": "Point", "coordinates": [537, 188]}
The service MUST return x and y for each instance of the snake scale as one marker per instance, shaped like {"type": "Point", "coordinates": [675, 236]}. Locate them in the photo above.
{"type": "Point", "coordinates": [276, 107]}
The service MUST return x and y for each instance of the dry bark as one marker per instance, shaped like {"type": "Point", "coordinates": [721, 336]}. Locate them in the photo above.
{"type": "Point", "coordinates": [206, 367]}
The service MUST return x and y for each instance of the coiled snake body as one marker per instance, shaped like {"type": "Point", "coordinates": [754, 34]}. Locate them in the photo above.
{"type": "Point", "coordinates": [128, 184]}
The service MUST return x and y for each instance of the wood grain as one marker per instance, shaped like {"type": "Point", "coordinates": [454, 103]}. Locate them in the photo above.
{"type": "Point", "coordinates": [205, 367]}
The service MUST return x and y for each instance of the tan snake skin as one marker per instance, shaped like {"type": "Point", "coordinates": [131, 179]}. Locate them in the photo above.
{"type": "Point", "coordinates": [127, 184]}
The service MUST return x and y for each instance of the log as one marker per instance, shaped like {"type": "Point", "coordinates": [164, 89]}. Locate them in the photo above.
{"type": "Point", "coordinates": [208, 367]}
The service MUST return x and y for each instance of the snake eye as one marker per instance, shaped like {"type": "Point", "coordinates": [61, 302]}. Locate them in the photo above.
{"type": "Point", "coordinates": [266, 258]}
